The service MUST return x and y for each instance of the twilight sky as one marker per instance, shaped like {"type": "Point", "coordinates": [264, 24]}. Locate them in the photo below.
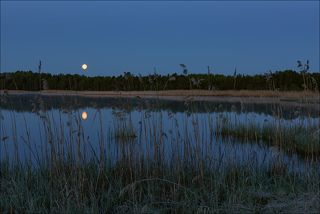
{"type": "Point", "coordinates": [114, 37]}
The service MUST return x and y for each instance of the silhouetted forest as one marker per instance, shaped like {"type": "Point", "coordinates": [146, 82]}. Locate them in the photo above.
{"type": "Point", "coordinates": [280, 80]}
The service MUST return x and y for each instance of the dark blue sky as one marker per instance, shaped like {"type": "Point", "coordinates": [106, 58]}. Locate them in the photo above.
{"type": "Point", "coordinates": [113, 37]}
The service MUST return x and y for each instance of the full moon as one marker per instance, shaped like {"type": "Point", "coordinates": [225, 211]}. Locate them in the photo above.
{"type": "Point", "coordinates": [84, 115]}
{"type": "Point", "coordinates": [84, 66]}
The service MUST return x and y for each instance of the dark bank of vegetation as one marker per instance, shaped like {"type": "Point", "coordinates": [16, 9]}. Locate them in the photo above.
{"type": "Point", "coordinates": [280, 80]}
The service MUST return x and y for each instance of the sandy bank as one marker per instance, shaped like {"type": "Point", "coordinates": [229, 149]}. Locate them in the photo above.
{"type": "Point", "coordinates": [233, 95]}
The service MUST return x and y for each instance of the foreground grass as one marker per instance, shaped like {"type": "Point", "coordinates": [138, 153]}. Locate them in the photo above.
{"type": "Point", "coordinates": [130, 188]}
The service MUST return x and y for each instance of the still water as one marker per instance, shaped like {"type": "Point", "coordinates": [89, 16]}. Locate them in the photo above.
{"type": "Point", "coordinates": [36, 128]}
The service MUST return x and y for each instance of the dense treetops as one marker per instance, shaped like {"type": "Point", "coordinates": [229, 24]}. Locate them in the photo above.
{"type": "Point", "coordinates": [280, 80]}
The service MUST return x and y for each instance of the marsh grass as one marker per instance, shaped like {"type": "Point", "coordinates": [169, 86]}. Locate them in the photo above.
{"type": "Point", "coordinates": [302, 139]}
{"type": "Point", "coordinates": [92, 189]}
{"type": "Point", "coordinates": [154, 170]}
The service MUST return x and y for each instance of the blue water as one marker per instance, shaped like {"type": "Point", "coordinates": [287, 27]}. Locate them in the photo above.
{"type": "Point", "coordinates": [33, 130]}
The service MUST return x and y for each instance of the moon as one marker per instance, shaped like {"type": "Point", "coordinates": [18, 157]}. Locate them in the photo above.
{"type": "Point", "coordinates": [84, 67]}
{"type": "Point", "coordinates": [84, 115]}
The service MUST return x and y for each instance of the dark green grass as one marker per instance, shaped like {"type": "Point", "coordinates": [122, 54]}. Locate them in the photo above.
{"type": "Point", "coordinates": [128, 188]}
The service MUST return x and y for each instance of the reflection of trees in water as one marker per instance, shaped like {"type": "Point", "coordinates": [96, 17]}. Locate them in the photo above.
{"type": "Point", "coordinates": [34, 103]}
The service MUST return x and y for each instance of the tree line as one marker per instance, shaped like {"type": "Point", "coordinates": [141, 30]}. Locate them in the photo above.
{"type": "Point", "coordinates": [279, 80]}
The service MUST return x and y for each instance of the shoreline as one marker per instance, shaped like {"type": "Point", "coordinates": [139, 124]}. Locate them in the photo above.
{"type": "Point", "coordinates": [198, 95]}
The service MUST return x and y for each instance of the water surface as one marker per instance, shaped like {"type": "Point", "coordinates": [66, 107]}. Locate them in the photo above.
{"type": "Point", "coordinates": [36, 128]}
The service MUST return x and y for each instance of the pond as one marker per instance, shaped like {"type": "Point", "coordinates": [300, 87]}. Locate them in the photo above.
{"type": "Point", "coordinates": [36, 129]}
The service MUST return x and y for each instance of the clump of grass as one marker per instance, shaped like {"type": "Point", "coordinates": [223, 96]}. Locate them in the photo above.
{"type": "Point", "coordinates": [125, 135]}
{"type": "Point", "coordinates": [124, 130]}
{"type": "Point", "coordinates": [295, 138]}
{"type": "Point", "coordinates": [307, 141]}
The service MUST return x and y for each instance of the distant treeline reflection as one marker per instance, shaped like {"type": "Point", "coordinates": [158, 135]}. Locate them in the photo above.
{"type": "Point", "coordinates": [280, 80]}
{"type": "Point", "coordinates": [34, 103]}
